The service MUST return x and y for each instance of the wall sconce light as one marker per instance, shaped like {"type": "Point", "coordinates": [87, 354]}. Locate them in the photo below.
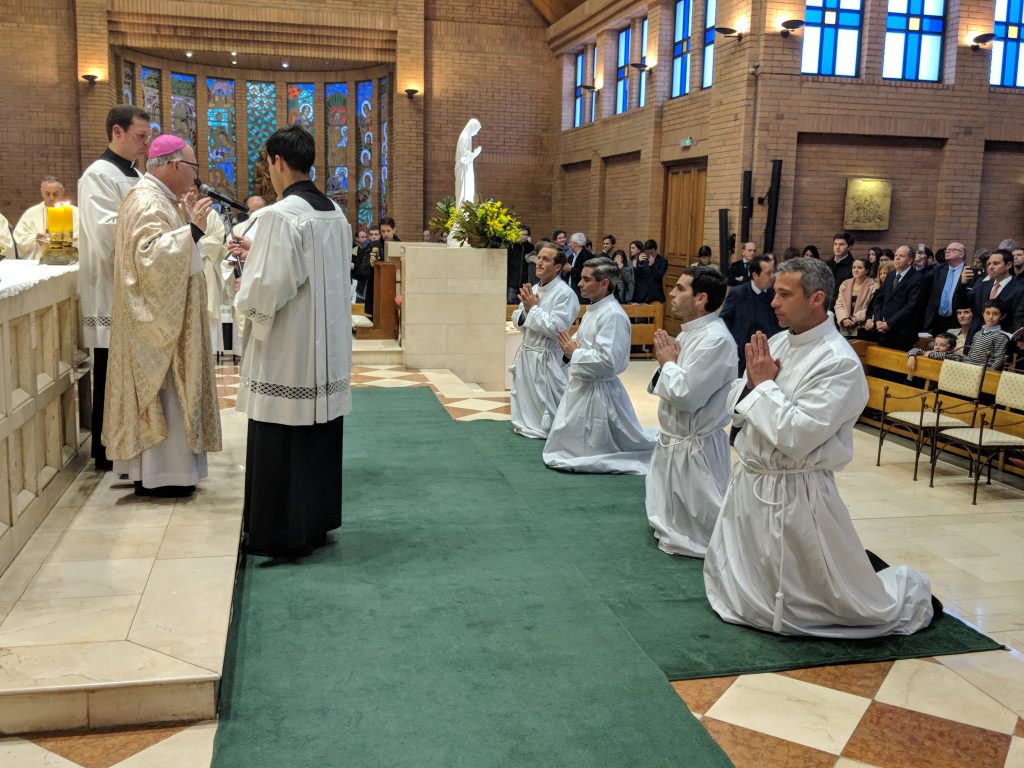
{"type": "Point", "coordinates": [586, 87]}
{"type": "Point", "coordinates": [410, 92]}
{"type": "Point", "coordinates": [729, 32]}
{"type": "Point", "coordinates": [639, 66]}
{"type": "Point", "coordinates": [90, 79]}
{"type": "Point", "coordinates": [982, 40]}
{"type": "Point", "coordinates": [284, 64]}
{"type": "Point", "coordinates": [791, 26]}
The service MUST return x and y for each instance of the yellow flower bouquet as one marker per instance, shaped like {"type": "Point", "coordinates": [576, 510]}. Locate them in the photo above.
{"type": "Point", "coordinates": [487, 224]}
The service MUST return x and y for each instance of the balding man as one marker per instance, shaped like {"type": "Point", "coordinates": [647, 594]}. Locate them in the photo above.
{"type": "Point", "coordinates": [739, 270]}
{"type": "Point", "coordinates": [30, 234]}
{"type": "Point", "coordinates": [947, 292]}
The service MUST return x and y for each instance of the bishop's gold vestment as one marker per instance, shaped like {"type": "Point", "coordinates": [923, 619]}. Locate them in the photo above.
{"type": "Point", "coordinates": [159, 324]}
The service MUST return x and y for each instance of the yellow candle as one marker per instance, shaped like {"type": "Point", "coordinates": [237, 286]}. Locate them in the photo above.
{"type": "Point", "coordinates": [52, 219]}
{"type": "Point", "coordinates": [66, 218]}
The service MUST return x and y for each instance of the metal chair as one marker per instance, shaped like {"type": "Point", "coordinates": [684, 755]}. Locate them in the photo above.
{"type": "Point", "coordinates": [958, 379]}
{"type": "Point", "coordinates": [985, 442]}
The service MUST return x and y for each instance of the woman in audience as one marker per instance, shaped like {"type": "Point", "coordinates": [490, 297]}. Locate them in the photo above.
{"type": "Point", "coordinates": [811, 252]}
{"type": "Point", "coordinates": [635, 249]}
{"type": "Point", "coordinates": [884, 268]}
{"type": "Point", "coordinates": [886, 256]}
{"type": "Point", "coordinates": [854, 299]}
{"type": "Point", "coordinates": [874, 253]}
{"type": "Point", "coordinates": [624, 289]}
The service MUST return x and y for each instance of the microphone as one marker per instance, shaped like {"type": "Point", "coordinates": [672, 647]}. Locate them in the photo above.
{"type": "Point", "coordinates": [207, 191]}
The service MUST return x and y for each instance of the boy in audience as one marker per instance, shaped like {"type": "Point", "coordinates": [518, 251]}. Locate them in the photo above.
{"type": "Point", "coordinates": [988, 347]}
{"type": "Point", "coordinates": [942, 348]}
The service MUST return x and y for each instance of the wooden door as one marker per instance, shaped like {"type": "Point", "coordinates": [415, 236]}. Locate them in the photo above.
{"type": "Point", "coordinates": [683, 224]}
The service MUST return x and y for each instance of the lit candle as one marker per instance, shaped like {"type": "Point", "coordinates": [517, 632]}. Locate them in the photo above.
{"type": "Point", "coordinates": [52, 219]}
{"type": "Point", "coordinates": [66, 218]}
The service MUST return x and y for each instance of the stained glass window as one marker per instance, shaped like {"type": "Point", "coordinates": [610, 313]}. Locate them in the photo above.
{"type": "Point", "coordinates": [622, 73]}
{"type": "Point", "coordinates": [300, 104]}
{"type": "Point", "coordinates": [183, 107]}
{"type": "Point", "coordinates": [128, 82]}
{"type": "Point", "coordinates": [385, 107]}
{"type": "Point", "coordinates": [913, 40]}
{"type": "Point", "coordinates": [831, 37]}
{"type": "Point", "coordinates": [681, 48]}
{"type": "Point", "coordinates": [336, 123]}
{"type": "Point", "coordinates": [643, 60]}
{"type": "Point", "coordinates": [151, 100]}
{"type": "Point", "coordinates": [1007, 51]}
{"type": "Point", "coordinates": [577, 101]}
{"type": "Point", "coordinates": [364, 152]}
{"type": "Point", "coordinates": [593, 81]}
{"type": "Point", "coordinates": [710, 19]}
{"type": "Point", "coordinates": [220, 119]}
{"type": "Point", "coordinates": [261, 114]}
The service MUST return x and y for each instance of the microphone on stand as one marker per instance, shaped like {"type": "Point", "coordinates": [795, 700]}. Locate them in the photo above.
{"type": "Point", "coordinates": [207, 191]}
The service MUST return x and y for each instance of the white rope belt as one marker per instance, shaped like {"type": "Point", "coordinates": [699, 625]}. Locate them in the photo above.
{"type": "Point", "coordinates": [693, 443]}
{"type": "Point", "coordinates": [761, 474]}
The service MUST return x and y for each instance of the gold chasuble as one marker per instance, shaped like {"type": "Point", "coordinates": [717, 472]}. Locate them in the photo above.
{"type": "Point", "coordinates": [159, 325]}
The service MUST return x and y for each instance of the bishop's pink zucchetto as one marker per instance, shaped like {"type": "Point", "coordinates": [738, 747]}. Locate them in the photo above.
{"type": "Point", "coordinates": [165, 144]}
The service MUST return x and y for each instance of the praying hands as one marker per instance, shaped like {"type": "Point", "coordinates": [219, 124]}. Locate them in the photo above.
{"type": "Point", "coordinates": [528, 297]}
{"type": "Point", "coordinates": [760, 365]}
{"type": "Point", "coordinates": [567, 343]}
{"type": "Point", "coordinates": [666, 349]}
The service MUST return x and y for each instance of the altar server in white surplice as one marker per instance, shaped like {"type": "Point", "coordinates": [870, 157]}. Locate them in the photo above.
{"type": "Point", "coordinates": [538, 376]}
{"type": "Point", "coordinates": [295, 293]}
{"type": "Point", "coordinates": [6, 240]}
{"type": "Point", "coordinates": [595, 427]}
{"type": "Point", "coordinates": [31, 232]}
{"type": "Point", "coordinates": [100, 192]}
{"type": "Point", "coordinates": [690, 467]}
{"type": "Point", "coordinates": [784, 556]}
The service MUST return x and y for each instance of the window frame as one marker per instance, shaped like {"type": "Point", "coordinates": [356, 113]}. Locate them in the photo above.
{"type": "Point", "coordinates": [682, 48]}
{"type": "Point", "coordinates": [622, 71]}
{"type": "Point", "coordinates": [816, 18]}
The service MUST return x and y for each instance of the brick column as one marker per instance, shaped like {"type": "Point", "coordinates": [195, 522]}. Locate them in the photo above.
{"type": "Point", "coordinates": [407, 120]}
{"type": "Point", "coordinates": [94, 101]}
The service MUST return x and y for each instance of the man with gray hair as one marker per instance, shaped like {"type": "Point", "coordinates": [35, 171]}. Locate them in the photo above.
{"type": "Point", "coordinates": [31, 233]}
{"type": "Point", "coordinates": [577, 255]}
{"type": "Point", "coordinates": [595, 428]}
{"type": "Point", "coordinates": [784, 556]}
{"type": "Point", "coordinates": [162, 415]}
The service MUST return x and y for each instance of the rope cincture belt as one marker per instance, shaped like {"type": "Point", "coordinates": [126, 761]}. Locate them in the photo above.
{"type": "Point", "coordinates": [693, 443]}
{"type": "Point", "coordinates": [763, 474]}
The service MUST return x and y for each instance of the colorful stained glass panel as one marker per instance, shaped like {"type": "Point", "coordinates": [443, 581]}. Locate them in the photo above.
{"type": "Point", "coordinates": [300, 104]}
{"type": "Point", "coordinates": [220, 120]}
{"type": "Point", "coordinates": [385, 114]}
{"type": "Point", "coordinates": [151, 101]}
{"type": "Point", "coordinates": [336, 123]}
{"type": "Point", "coordinates": [183, 107]}
{"type": "Point", "coordinates": [364, 152]}
{"type": "Point", "coordinates": [261, 114]}
{"type": "Point", "coordinates": [127, 82]}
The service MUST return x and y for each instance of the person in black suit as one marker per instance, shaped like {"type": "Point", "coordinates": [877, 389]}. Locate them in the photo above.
{"type": "Point", "coordinates": [898, 313]}
{"type": "Point", "coordinates": [947, 293]}
{"type": "Point", "coordinates": [578, 255]}
{"type": "Point", "coordinates": [748, 307]}
{"type": "Point", "coordinates": [1009, 291]}
{"type": "Point", "coordinates": [739, 270]}
{"type": "Point", "coordinates": [650, 271]}
{"type": "Point", "coordinates": [842, 259]}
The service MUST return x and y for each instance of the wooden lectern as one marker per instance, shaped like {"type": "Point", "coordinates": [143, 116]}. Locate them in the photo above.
{"type": "Point", "coordinates": [385, 311]}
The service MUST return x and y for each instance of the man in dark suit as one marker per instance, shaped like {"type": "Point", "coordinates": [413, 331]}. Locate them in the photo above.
{"type": "Point", "coordinates": [739, 270]}
{"type": "Point", "coordinates": [898, 318]}
{"type": "Point", "coordinates": [748, 307]}
{"type": "Point", "coordinates": [842, 259]}
{"type": "Point", "coordinates": [650, 271]}
{"type": "Point", "coordinates": [1000, 284]}
{"type": "Point", "coordinates": [947, 293]}
{"type": "Point", "coordinates": [578, 255]}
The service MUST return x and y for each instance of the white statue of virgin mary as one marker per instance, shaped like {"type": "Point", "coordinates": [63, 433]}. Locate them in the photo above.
{"type": "Point", "coordinates": [465, 180]}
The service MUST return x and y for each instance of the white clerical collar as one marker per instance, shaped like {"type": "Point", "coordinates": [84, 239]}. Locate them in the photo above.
{"type": "Point", "coordinates": [603, 301]}
{"type": "Point", "coordinates": [163, 187]}
{"type": "Point", "coordinates": [698, 322]}
{"type": "Point", "coordinates": [825, 328]}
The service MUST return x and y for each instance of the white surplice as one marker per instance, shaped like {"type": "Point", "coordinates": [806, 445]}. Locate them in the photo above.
{"type": "Point", "coordinates": [213, 250]}
{"type": "Point", "coordinates": [690, 467]}
{"type": "Point", "coordinates": [6, 241]}
{"type": "Point", "coordinates": [595, 427]}
{"type": "Point", "coordinates": [784, 556]}
{"type": "Point", "coordinates": [296, 298]}
{"type": "Point", "coordinates": [100, 192]}
{"type": "Point", "coordinates": [32, 223]}
{"type": "Point", "coordinates": [538, 376]}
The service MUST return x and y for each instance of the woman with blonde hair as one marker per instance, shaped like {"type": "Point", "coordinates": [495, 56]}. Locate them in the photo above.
{"type": "Point", "coordinates": [885, 266]}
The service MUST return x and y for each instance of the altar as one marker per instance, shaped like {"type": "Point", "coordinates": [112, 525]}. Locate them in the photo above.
{"type": "Point", "coordinates": [41, 437]}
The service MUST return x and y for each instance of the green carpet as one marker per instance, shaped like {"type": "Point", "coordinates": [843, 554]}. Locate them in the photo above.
{"type": "Point", "coordinates": [480, 610]}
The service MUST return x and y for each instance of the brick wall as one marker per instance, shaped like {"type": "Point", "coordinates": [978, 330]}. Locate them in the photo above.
{"type": "Point", "coordinates": [39, 111]}
{"type": "Point", "coordinates": [1002, 194]}
{"type": "Point", "coordinates": [621, 187]}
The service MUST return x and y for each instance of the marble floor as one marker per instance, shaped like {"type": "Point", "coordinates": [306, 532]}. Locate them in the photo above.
{"type": "Point", "coordinates": [948, 711]}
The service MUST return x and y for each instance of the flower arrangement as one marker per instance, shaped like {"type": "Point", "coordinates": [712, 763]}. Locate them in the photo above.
{"type": "Point", "coordinates": [487, 224]}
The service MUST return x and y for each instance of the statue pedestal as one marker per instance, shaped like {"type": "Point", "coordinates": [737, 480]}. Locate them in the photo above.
{"type": "Point", "coordinates": [453, 310]}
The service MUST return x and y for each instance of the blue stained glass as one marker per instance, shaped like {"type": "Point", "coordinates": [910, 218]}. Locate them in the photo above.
{"type": "Point", "coordinates": [577, 113]}
{"type": "Point", "coordinates": [183, 107]}
{"type": "Point", "coordinates": [336, 124]}
{"type": "Point", "coordinates": [914, 50]}
{"type": "Point", "coordinates": [128, 82]}
{"type": "Point", "coordinates": [593, 95]}
{"type": "Point", "coordinates": [621, 73]}
{"type": "Point", "coordinates": [814, 16]}
{"type": "Point", "coordinates": [385, 101]}
{"type": "Point", "coordinates": [681, 48]}
{"type": "Point", "coordinates": [931, 25]}
{"type": "Point", "coordinates": [897, 23]}
{"type": "Point", "coordinates": [1006, 51]}
{"type": "Point", "coordinates": [831, 40]}
{"type": "Point", "coordinates": [151, 98]}
{"type": "Point", "coordinates": [643, 60]}
{"type": "Point", "coordinates": [300, 104]}
{"type": "Point", "coordinates": [261, 116]}
{"type": "Point", "coordinates": [220, 121]}
{"type": "Point", "coordinates": [916, 7]}
{"type": "Point", "coordinates": [366, 179]}
{"type": "Point", "coordinates": [849, 18]}
{"type": "Point", "coordinates": [710, 19]}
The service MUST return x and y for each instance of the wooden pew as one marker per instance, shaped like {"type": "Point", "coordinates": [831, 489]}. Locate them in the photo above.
{"type": "Point", "coordinates": [645, 320]}
{"type": "Point", "coordinates": [878, 359]}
